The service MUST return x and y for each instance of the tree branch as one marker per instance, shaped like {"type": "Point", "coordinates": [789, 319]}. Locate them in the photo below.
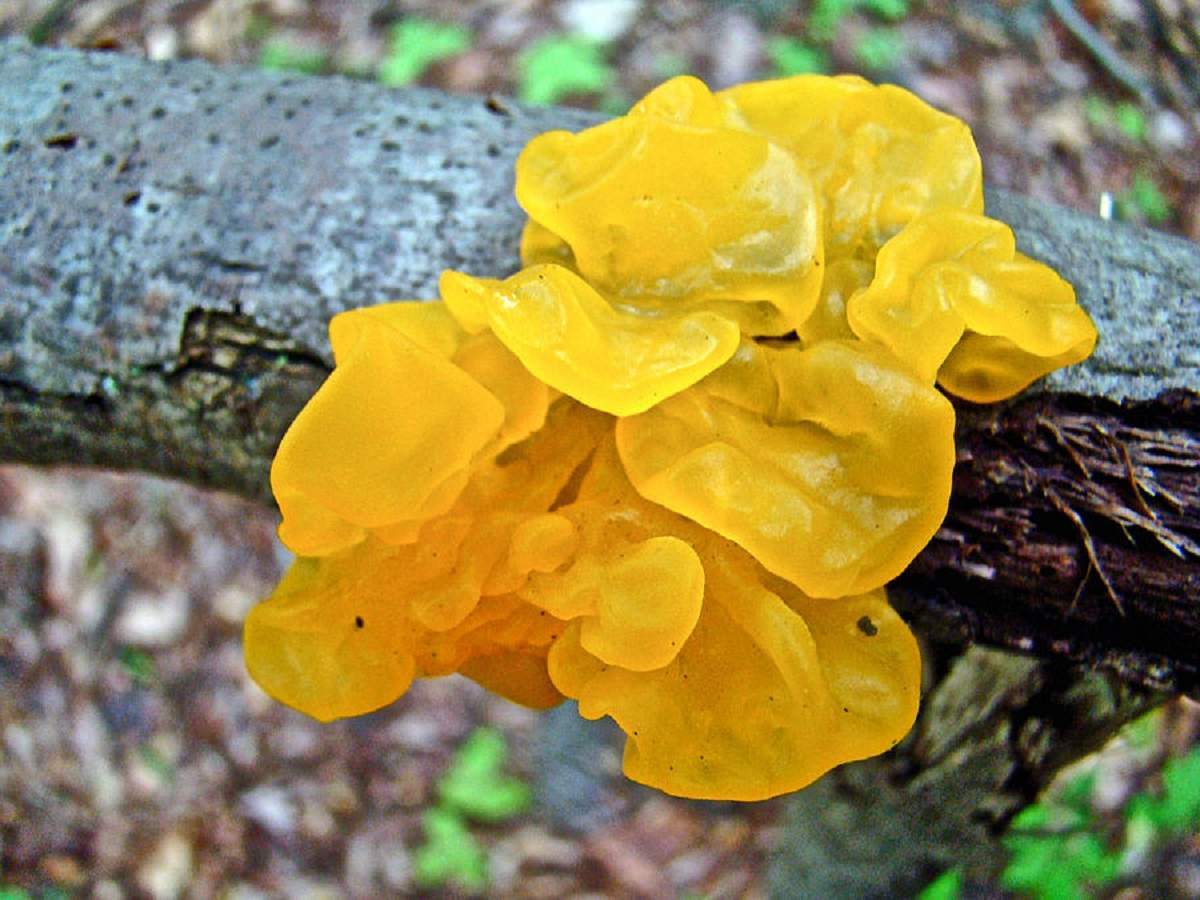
{"type": "Point", "coordinates": [175, 237]}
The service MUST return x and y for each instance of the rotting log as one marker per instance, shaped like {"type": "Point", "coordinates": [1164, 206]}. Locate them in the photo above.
{"type": "Point", "coordinates": [175, 237]}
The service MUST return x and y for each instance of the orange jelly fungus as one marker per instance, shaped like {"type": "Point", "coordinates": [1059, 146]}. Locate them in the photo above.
{"type": "Point", "coordinates": [667, 468]}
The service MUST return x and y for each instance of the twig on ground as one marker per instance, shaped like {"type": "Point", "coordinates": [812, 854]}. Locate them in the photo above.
{"type": "Point", "coordinates": [1108, 58]}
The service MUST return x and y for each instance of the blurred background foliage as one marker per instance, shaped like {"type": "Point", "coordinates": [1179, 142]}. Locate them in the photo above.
{"type": "Point", "coordinates": [141, 762]}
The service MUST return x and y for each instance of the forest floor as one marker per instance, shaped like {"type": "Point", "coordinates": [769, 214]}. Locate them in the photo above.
{"type": "Point", "coordinates": [136, 757]}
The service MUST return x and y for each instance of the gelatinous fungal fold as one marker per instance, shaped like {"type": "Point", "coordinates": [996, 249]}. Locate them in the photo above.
{"type": "Point", "coordinates": [834, 476]}
{"type": "Point", "coordinates": [667, 468]}
{"type": "Point", "coordinates": [954, 298]}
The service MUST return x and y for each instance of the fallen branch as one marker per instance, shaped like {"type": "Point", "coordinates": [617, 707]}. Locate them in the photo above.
{"type": "Point", "coordinates": [176, 237]}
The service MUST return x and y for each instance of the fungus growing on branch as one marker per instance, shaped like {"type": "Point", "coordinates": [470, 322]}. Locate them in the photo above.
{"type": "Point", "coordinates": [954, 298]}
{"type": "Point", "coordinates": [667, 469]}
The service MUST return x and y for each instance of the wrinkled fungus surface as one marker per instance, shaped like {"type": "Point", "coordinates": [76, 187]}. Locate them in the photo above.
{"type": "Point", "coordinates": [667, 468]}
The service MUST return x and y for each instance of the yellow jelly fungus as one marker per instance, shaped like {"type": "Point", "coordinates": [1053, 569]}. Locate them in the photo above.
{"type": "Point", "coordinates": [341, 453]}
{"type": "Point", "coordinates": [954, 299]}
{"type": "Point", "coordinates": [879, 156]}
{"type": "Point", "coordinates": [309, 644]}
{"type": "Point", "coordinates": [771, 688]}
{"type": "Point", "coordinates": [651, 208]}
{"type": "Point", "coordinates": [336, 638]}
{"type": "Point", "coordinates": [540, 246]}
{"type": "Point", "coordinates": [831, 464]}
{"type": "Point", "coordinates": [636, 603]}
{"type": "Point", "coordinates": [843, 277]}
{"type": "Point", "coordinates": [333, 474]}
{"type": "Point", "coordinates": [666, 469]}
{"type": "Point", "coordinates": [380, 612]}
{"type": "Point", "coordinates": [565, 333]}
{"type": "Point", "coordinates": [516, 676]}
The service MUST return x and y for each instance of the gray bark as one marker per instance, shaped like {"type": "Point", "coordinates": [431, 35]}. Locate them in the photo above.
{"type": "Point", "coordinates": [175, 237]}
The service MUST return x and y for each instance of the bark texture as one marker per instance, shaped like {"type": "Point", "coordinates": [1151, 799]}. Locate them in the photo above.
{"type": "Point", "coordinates": [1074, 531]}
{"type": "Point", "coordinates": [173, 239]}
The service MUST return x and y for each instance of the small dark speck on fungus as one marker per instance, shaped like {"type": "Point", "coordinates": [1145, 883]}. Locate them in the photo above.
{"type": "Point", "coordinates": [867, 627]}
{"type": "Point", "coordinates": [358, 622]}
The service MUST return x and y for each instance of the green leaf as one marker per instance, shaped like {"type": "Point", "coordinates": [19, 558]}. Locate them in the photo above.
{"type": "Point", "coordinates": [1130, 120]}
{"type": "Point", "coordinates": [556, 67]}
{"type": "Point", "coordinates": [1087, 856]}
{"type": "Point", "coordinates": [1059, 884]}
{"type": "Point", "coordinates": [1142, 732]}
{"type": "Point", "coordinates": [450, 854]}
{"type": "Point", "coordinates": [946, 886]}
{"type": "Point", "coordinates": [1145, 200]}
{"type": "Point", "coordinates": [1141, 831]}
{"type": "Point", "coordinates": [1033, 860]}
{"type": "Point", "coordinates": [258, 27]}
{"type": "Point", "coordinates": [41, 31]}
{"type": "Point", "coordinates": [138, 664]}
{"type": "Point", "coordinates": [892, 10]}
{"type": "Point", "coordinates": [1034, 817]}
{"type": "Point", "coordinates": [416, 45]}
{"type": "Point", "coordinates": [475, 785]}
{"type": "Point", "coordinates": [1178, 810]}
{"type": "Point", "coordinates": [880, 49]}
{"type": "Point", "coordinates": [281, 55]}
{"type": "Point", "coordinates": [1041, 868]}
{"type": "Point", "coordinates": [793, 57]}
{"type": "Point", "coordinates": [826, 16]}
{"type": "Point", "coordinates": [1055, 854]}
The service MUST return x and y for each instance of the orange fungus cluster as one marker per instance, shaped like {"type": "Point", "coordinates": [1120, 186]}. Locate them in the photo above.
{"type": "Point", "coordinates": [667, 468]}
